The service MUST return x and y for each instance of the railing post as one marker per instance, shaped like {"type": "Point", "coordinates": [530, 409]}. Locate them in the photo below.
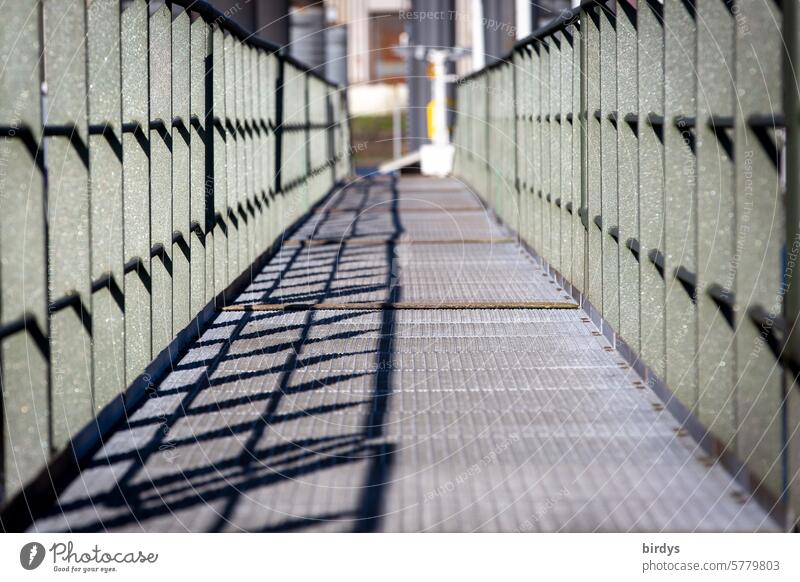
{"type": "Point", "coordinates": [280, 79]}
{"type": "Point", "coordinates": [181, 159]}
{"type": "Point", "coordinates": [105, 172]}
{"type": "Point", "coordinates": [579, 248]}
{"type": "Point", "coordinates": [24, 350]}
{"type": "Point", "coordinates": [201, 204]}
{"type": "Point", "coordinates": [715, 227]}
{"type": "Point", "coordinates": [160, 136]}
{"type": "Point", "coordinates": [608, 215]}
{"type": "Point", "coordinates": [592, 151]}
{"type": "Point", "coordinates": [626, 111]}
{"type": "Point", "coordinates": [535, 192]}
{"type": "Point", "coordinates": [760, 231]}
{"type": "Point", "coordinates": [565, 125]}
{"type": "Point", "coordinates": [66, 137]}
{"type": "Point", "coordinates": [680, 207]}
{"type": "Point", "coordinates": [650, 120]}
{"type": "Point", "coordinates": [136, 188]}
{"type": "Point", "coordinates": [231, 161]}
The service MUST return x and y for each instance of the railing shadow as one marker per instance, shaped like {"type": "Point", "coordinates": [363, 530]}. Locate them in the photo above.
{"type": "Point", "coordinates": [144, 493]}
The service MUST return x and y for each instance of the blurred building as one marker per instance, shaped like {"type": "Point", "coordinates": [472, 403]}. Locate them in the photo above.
{"type": "Point", "coordinates": [376, 67]}
{"type": "Point", "coordinates": [379, 47]}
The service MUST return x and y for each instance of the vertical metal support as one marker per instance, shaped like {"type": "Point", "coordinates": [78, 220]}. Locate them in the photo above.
{"type": "Point", "coordinates": [273, 70]}
{"type": "Point", "coordinates": [715, 218]}
{"type": "Point", "coordinates": [510, 190]}
{"type": "Point", "coordinates": [314, 137]}
{"type": "Point", "coordinates": [181, 159]}
{"type": "Point", "coordinates": [592, 151]}
{"type": "Point", "coordinates": [312, 149]}
{"type": "Point", "coordinates": [565, 123]}
{"type": "Point", "coordinates": [104, 79]}
{"type": "Point", "coordinates": [498, 142]}
{"type": "Point", "coordinates": [465, 132]}
{"type": "Point", "coordinates": [337, 132]}
{"type": "Point", "coordinates": [261, 146]}
{"type": "Point", "coordinates": [526, 83]}
{"type": "Point", "coordinates": [609, 211]}
{"type": "Point", "coordinates": [218, 123]}
{"type": "Point", "coordinates": [333, 131]}
{"type": "Point", "coordinates": [472, 166]}
{"type": "Point", "coordinates": [200, 188]}
{"type": "Point", "coordinates": [545, 184]}
{"type": "Point", "coordinates": [627, 110]}
{"type": "Point", "coordinates": [554, 123]}
{"type": "Point", "coordinates": [680, 216]}
{"type": "Point", "coordinates": [458, 134]}
{"type": "Point", "coordinates": [535, 192]}
{"type": "Point", "coordinates": [760, 216]}
{"type": "Point", "coordinates": [269, 92]}
{"type": "Point", "coordinates": [260, 150]}
{"type": "Point", "coordinates": [304, 147]}
{"type": "Point", "coordinates": [239, 201]}
{"type": "Point", "coordinates": [506, 145]}
{"type": "Point", "coordinates": [579, 242]}
{"type": "Point", "coordinates": [263, 154]}
{"type": "Point", "coordinates": [258, 242]}
{"type": "Point", "coordinates": [496, 151]}
{"type": "Point", "coordinates": [68, 218]}
{"type": "Point", "coordinates": [316, 146]}
{"type": "Point", "coordinates": [24, 350]}
{"type": "Point", "coordinates": [489, 137]}
{"type": "Point", "coordinates": [231, 168]}
{"type": "Point", "coordinates": [487, 152]}
{"type": "Point", "coordinates": [294, 155]}
{"type": "Point", "coordinates": [519, 82]}
{"type": "Point", "coordinates": [161, 177]}
{"type": "Point", "coordinates": [136, 188]}
{"type": "Point", "coordinates": [519, 74]}
{"type": "Point", "coordinates": [278, 116]}
{"type": "Point", "coordinates": [344, 116]}
{"type": "Point", "coordinates": [248, 211]}
{"type": "Point", "coordinates": [650, 57]}
{"type": "Point", "coordinates": [288, 158]}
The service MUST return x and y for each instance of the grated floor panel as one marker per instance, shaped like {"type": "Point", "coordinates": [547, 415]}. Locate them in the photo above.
{"type": "Point", "coordinates": [444, 420]}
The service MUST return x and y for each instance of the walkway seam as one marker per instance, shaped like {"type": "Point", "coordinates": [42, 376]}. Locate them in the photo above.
{"type": "Point", "coordinates": [392, 306]}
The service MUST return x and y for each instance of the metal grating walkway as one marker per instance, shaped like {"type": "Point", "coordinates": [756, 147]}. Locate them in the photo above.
{"type": "Point", "coordinates": [437, 420]}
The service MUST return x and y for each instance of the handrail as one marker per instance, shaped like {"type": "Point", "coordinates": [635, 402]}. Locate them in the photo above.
{"type": "Point", "coordinates": [216, 16]}
{"type": "Point", "coordinates": [568, 17]}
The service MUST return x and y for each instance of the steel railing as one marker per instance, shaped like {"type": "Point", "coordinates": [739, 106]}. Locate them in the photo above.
{"type": "Point", "coordinates": [640, 151]}
{"type": "Point", "coordinates": [148, 157]}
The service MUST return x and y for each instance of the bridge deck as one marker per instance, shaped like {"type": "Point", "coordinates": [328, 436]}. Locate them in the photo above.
{"type": "Point", "coordinates": [402, 420]}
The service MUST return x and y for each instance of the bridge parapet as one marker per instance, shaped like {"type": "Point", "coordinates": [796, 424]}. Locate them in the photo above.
{"type": "Point", "coordinates": [148, 158]}
{"type": "Point", "coordinates": [643, 153]}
